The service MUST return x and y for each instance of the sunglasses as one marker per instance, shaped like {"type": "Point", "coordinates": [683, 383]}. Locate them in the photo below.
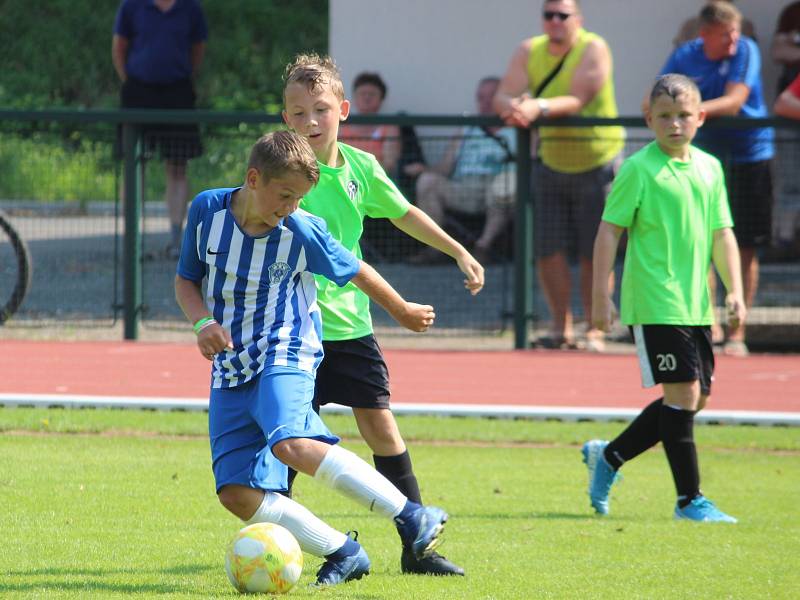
{"type": "Point", "coordinates": [549, 15]}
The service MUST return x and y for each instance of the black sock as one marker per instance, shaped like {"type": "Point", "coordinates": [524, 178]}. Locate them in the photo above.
{"type": "Point", "coordinates": [399, 471]}
{"type": "Point", "coordinates": [677, 435]}
{"type": "Point", "coordinates": [642, 434]}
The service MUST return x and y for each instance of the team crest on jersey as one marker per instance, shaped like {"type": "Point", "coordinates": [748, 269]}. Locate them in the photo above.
{"type": "Point", "coordinates": [352, 189]}
{"type": "Point", "coordinates": [278, 272]}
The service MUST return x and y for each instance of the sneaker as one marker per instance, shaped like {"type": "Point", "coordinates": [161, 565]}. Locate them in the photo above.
{"type": "Point", "coordinates": [335, 571]}
{"type": "Point", "coordinates": [433, 564]}
{"type": "Point", "coordinates": [601, 475]}
{"type": "Point", "coordinates": [702, 509]}
{"type": "Point", "coordinates": [421, 531]}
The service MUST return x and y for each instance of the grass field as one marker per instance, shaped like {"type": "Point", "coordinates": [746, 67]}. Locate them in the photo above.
{"type": "Point", "coordinates": [104, 504]}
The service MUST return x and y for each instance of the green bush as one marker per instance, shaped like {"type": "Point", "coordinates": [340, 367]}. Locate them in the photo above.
{"type": "Point", "coordinates": [57, 53]}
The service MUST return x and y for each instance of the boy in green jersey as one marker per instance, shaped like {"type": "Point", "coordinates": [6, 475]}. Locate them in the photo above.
{"type": "Point", "coordinates": [671, 198]}
{"type": "Point", "coordinates": [353, 185]}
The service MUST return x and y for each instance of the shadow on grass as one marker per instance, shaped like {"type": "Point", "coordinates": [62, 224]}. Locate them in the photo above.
{"type": "Point", "coordinates": [102, 585]}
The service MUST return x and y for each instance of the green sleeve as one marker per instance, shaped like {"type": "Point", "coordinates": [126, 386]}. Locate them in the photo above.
{"type": "Point", "coordinates": [625, 196]}
{"type": "Point", "coordinates": [383, 198]}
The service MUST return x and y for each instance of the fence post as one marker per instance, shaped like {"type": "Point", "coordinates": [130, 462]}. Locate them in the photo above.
{"type": "Point", "coordinates": [523, 244]}
{"type": "Point", "coordinates": [132, 209]}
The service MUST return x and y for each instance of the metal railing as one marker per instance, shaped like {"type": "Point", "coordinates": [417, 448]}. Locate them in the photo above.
{"type": "Point", "coordinates": [517, 276]}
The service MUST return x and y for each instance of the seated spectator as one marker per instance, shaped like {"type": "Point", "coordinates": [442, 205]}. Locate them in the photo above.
{"type": "Point", "coordinates": [474, 177]}
{"type": "Point", "coordinates": [691, 29]}
{"type": "Point", "coordinates": [786, 45]}
{"type": "Point", "coordinates": [369, 92]}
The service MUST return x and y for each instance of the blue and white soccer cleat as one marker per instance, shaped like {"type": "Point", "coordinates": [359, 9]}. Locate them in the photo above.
{"type": "Point", "coordinates": [333, 572]}
{"type": "Point", "coordinates": [420, 531]}
{"type": "Point", "coordinates": [702, 509]}
{"type": "Point", "coordinates": [601, 475]}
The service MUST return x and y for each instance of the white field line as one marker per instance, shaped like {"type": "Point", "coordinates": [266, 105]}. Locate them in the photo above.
{"type": "Point", "coordinates": [497, 411]}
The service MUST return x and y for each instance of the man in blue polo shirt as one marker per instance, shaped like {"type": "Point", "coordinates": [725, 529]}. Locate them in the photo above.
{"type": "Point", "coordinates": [727, 69]}
{"type": "Point", "coordinates": [157, 47]}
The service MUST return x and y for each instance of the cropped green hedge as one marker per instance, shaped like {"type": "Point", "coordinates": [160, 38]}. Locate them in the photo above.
{"type": "Point", "coordinates": [57, 53]}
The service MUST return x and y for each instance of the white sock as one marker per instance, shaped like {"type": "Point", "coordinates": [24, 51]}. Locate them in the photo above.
{"type": "Point", "coordinates": [314, 535]}
{"type": "Point", "coordinates": [347, 473]}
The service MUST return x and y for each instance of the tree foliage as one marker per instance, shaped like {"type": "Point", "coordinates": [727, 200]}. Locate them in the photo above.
{"type": "Point", "coordinates": [57, 53]}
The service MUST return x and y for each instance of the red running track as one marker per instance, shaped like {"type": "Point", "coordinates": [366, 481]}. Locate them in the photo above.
{"type": "Point", "coordinates": [526, 378]}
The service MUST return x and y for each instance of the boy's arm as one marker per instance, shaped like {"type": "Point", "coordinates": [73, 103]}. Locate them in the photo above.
{"type": "Point", "coordinates": [605, 251]}
{"type": "Point", "coordinates": [416, 317]}
{"type": "Point", "coordinates": [421, 227]}
{"type": "Point", "coordinates": [211, 338]}
{"type": "Point", "coordinates": [725, 254]}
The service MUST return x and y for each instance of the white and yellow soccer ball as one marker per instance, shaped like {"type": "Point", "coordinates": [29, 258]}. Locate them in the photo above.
{"type": "Point", "coordinates": [264, 557]}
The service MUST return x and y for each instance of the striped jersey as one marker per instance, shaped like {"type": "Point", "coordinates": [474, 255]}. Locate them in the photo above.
{"type": "Point", "coordinates": [261, 289]}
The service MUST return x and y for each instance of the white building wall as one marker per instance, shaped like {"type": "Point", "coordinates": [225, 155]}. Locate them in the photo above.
{"type": "Point", "coordinates": [432, 52]}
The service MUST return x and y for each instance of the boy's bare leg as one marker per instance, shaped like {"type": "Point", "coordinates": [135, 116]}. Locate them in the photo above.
{"type": "Point", "coordinates": [379, 429]}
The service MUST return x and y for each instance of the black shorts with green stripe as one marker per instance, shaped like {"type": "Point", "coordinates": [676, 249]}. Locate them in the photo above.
{"type": "Point", "coordinates": [675, 354]}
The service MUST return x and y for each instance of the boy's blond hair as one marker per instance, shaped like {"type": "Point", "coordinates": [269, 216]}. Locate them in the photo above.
{"type": "Point", "coordinates": [315, 72]}
{"type": "Point", "coordinates": [719, 13]}
{"type": "Point", "coordinates": [674, 85]}
{"type": "Point", "coordinates": [281, 152]}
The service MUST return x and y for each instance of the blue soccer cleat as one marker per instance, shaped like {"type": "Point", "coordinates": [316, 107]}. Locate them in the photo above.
{"type": "Point", "coordinates": [702, 509]}
{"type": "Point", "coordinates": [348, 568]}
{"type": "Point", "coordinates": [420, 531]}
{"type": "Point", "coordinates": [601, 475]}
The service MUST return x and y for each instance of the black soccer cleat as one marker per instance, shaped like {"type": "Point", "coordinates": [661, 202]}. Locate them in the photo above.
{"type": "Point", "coordinates": [433, 564]}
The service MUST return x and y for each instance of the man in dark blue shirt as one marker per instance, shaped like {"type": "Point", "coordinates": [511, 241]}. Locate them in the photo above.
{"type": "Point", "coordinates": [157, 47]}
{"type": "Point", "coordinates": [727, 69]}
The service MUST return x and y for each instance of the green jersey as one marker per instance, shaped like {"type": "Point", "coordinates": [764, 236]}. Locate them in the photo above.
{"type": "Point", "coordinates": [671, 209]}
{"type": "Point", "coordinates": [343, 197]}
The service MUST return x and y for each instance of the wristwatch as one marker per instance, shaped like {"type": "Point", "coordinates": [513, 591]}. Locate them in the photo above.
{"type": "Point", "coordinates": [544, 106]}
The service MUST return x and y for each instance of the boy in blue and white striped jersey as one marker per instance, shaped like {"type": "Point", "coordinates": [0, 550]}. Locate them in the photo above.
{"type": "Point", "coordinates": [259, 323]}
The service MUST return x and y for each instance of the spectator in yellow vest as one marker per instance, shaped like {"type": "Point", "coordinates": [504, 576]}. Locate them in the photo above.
{"type": "Point", "coordinates": [567, 71]}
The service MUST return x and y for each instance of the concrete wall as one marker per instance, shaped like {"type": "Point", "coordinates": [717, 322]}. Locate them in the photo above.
{"type": "Point", "coordinates": [432, 52]}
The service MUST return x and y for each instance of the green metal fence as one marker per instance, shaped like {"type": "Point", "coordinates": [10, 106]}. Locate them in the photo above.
{"type": "Point", "coordinates": [98, 260]}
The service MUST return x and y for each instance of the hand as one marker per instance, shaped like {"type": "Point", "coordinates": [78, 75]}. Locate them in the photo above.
{"type": "Point", "coordinates": [521, 112]}
{"type": "Point", "coordinates": [213, 339]}
{"type": "Point", "coordinates": [474, 272]}
{"type": "Point", "coordinates": [736, 309]}
{"type": "Point", "coordinates": [602, 313]}
{"type": "Point", "coordinates": [417, 317]}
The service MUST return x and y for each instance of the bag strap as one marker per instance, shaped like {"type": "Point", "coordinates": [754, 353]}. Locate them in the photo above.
{"type": "Point", "coordinates": [509, 158]}
{"type": "Point", "coordinates": [552, 75]}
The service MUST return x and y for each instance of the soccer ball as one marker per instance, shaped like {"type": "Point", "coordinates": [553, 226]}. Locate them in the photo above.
{"type": "Point", "coordinates": [264, 557]}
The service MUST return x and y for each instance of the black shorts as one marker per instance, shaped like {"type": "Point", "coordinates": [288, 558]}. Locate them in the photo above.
{"type": "Point", "coordinates": [174, 142]}
{"type": "Point", "coordinates": [675, 354]}
{"type": "Point", "coordinates": [751, 198]}
{"type": "Point", "coordinates": [353, 373]}
{"type": "Point", "coordinates": [568, 208]}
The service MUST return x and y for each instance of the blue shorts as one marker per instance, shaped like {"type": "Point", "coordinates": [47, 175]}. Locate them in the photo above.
{"type": "Point", "coordinates": [245, 421]}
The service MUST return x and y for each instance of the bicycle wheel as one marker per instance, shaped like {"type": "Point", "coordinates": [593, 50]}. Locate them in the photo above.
{"type": "Point", "coordinates": [15, 269]}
